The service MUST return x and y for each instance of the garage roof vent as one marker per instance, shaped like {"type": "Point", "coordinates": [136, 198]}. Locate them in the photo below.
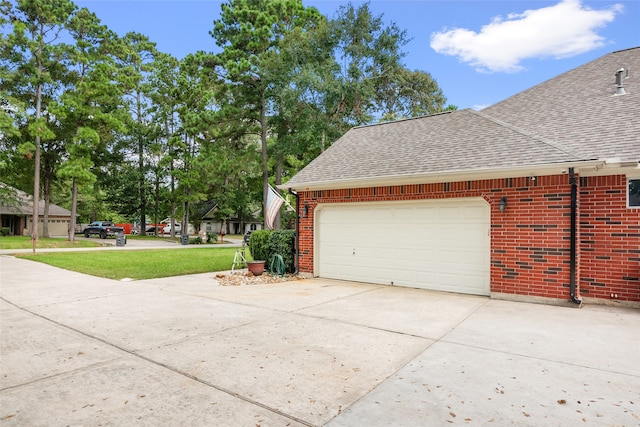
{"type": "Point", "coordinates": [619, 81]}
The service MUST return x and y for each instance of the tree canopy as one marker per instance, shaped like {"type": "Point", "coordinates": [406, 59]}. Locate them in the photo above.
{"type": "Point", "coordinates": [112, 128]}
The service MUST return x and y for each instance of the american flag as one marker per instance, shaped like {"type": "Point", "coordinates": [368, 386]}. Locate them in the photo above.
{"type": "Point", "coordinates": [274, 201]}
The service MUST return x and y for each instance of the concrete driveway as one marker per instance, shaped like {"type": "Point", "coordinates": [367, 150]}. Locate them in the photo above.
{"type": "Point", "coordinates": [79, 350]}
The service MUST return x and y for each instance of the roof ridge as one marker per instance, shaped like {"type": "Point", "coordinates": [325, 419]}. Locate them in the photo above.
{"type": "Point", "coordinates": [554, 144]}
{"type": "Point", "coordinates": [406, 119]}
{"type": "Point", "coordinates": [624, 50]}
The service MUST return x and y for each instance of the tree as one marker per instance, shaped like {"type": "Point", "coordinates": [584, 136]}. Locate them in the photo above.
{"type": "Point", "coordinates": [248, 31]}
{"type": "Point", "coordinates": [342, 73]}
{"type": "Point", "coordinates": [165, 97]}
{"type": "Point", "coordinates": [89, 104]}
{"type": "Point", "coordinates": [39, 67]}
{"type": "Point", "coordinates": [368, 54]}
{"type": "Point", "coordinates": [135, 60]}
{"type": "Point", "coordinates": [407, 94]}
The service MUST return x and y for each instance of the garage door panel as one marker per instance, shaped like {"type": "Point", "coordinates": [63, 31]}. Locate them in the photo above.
{"type": "Point", "coordinates": [433, 244]}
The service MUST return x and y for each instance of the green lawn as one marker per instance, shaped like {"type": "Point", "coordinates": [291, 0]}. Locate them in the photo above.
{"type": "Point", "coordinates": [25, 242]}
{"type": "Point", "coordinates": [142, 264]}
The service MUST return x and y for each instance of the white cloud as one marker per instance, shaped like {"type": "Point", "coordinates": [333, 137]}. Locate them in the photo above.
{"type": "Point", "coordinates": [479, 107]}
{"type": "Point", "coordinates": [563, 30]}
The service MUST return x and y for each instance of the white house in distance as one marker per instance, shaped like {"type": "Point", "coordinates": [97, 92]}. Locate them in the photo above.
{"type": "Point", "coordinates": [16, 215]}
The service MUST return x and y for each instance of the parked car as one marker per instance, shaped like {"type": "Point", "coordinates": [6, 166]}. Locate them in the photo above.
{"type": "Point", "coordinates": [167, 229]}
{"type": "Point", "coordinates": [150, 230]}
{"type": "Point", "coordinates": [102, 229]}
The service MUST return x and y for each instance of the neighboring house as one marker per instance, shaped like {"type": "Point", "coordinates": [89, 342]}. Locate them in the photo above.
{"type": "Point", "coordinates": [16, 214]}
{"type": "Point", "coordinates": [535, 198]}
{"type": "Point", "coordinates": [210, 224]}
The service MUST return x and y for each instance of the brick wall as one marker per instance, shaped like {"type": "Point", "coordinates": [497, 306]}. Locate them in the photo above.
{"type": "Point", "coordinates": [609, 240]}
{"type": "Point", "coordinates": [530, 240]}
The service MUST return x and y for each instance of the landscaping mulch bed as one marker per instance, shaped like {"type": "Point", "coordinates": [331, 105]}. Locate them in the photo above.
{"type": "Point", "coordinates": [244, 278]}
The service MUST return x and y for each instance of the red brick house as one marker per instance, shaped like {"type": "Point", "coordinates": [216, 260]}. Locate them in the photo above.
{"type": "Point", "coordinates": [534, 198]}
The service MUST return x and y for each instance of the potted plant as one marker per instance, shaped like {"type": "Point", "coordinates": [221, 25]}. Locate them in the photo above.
{"type": "Point", "coordinates": [256, 267]}
{"type": "Point", "coordinates": [258, 246]}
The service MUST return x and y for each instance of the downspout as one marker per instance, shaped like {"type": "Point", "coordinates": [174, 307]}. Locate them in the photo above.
{"type": "Point", "coordinates": [573, 238]}
{"type": "Point", "coordinates": [297, 248]}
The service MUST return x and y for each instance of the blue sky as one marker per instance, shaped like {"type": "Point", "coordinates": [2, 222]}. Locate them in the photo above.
{"type": "Point", "coordinates": [478, 51]}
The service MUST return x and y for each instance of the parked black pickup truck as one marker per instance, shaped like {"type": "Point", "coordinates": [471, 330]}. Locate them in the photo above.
{"type": "Point", "coordinates": [102, 229]}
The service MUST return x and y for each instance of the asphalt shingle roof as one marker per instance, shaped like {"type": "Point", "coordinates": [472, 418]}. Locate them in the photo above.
{"type": "Point", "coordinates": [579, 110]}
{"type": "Point", "coordinates": [572, 117]}
{"type": "Point", "coordinates": [454, 141]}
{"type": "Point", "coordinates": [22, 204]}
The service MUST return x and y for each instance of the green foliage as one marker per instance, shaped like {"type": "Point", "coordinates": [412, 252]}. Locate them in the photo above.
{"type": "Point", "coordinates": [264, 244]}
{"type": "Point", "coordinates": [406, 94]}
{"type": "Point", "coordinates": [249, 33]}
{"type": "Point", "coordinates": [282, 242]}
{"type": "Point", "coordinates": [122, 130]}
{"type": "Point", "coordinates": [212, 237]}
{"type": "Point", "coordinates": [4, 231]}
{"type": "Point", "coordinates": [259, 245]}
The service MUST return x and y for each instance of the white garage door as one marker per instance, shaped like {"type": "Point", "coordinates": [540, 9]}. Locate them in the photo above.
{"type": "Point", "coordinates": [436, 244]}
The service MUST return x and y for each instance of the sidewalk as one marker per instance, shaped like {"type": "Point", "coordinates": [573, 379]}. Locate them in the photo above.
{"type": "Point", "coordinates": [132, 244]}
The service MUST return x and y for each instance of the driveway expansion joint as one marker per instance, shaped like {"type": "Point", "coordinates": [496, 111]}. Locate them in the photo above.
{"type": "Point", "coordinates": [135, 353]}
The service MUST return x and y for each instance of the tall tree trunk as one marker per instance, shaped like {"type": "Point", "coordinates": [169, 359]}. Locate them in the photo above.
{"type": "Point", "coordinates": [36, 173]}
{"type": "Point", "coordinates": [141, 192]}
{"type": "Point", "coordinates": [157, 198]}
{"type": "Point", "coordinates": [141, 189]}
{"type": "Point", "coordinates": [185, 219]}
{"type": "Point", "coordinates": [36, 195]}
{"type": "Point", "coordinates": [173, 185]}
{"type": "Point", "coordinates": [74, 202]}
{"type": "Point", "coordinates": [46, 193]}
{"type": "Point", "coordinates": [265, 165]}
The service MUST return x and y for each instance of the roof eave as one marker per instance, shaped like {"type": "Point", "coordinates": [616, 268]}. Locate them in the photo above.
{"type": "Point", "coordinates": [448, 176]}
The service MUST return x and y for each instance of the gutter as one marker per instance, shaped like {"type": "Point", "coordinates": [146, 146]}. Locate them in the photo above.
{"type": "Point", "coordinates": [573, 237]}
{"type": "Point", "coordinates": [444, 176]}
{"type": "Point", "coordinates": [297, 248]}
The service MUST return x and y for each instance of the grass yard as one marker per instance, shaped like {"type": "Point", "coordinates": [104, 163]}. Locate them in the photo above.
{"type": "Point", "coordinates": [25, 242]}
{"type": "Point", "coordinates": [143, 264]}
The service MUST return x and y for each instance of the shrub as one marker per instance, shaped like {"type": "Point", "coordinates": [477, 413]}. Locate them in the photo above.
{"type": "Point", "coordinates": [196, 241]}
{"type": "Point", "coordinates": [264, 244]}
{"type": "Point", "coordinates": [212, 237]}
{"type": "Point", "coordinates": [282, 242]}
{"type": "Point", "coordinates": [259, 245]}
{"type": "Point", "coordinates": [4, 231]}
